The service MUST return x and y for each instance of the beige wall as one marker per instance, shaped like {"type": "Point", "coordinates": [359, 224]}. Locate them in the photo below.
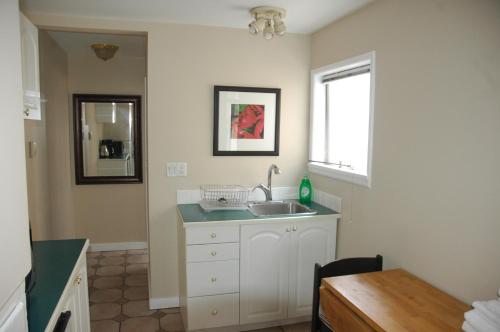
{"type": "Point", "coordinates": [104, 213]}
{"type": "Point", "coordinates": [54, 87]}
{"type": "Point", "coordinates": [434, 207]}
{"type": "Point", "coordinates": [184, 62]}
{"type": "Point", "coordinates": [37, 178]}
{"type": "Point", "coordinates": [108, 213]}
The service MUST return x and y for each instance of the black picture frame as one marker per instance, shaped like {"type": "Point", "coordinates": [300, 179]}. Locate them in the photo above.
{"type": "Point", "coordinates": [218, 89]}
{"type": "Point", "coordinates": [80, 177]}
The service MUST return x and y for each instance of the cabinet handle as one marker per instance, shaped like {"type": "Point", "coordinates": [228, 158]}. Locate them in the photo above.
{"type": "Point", "coordinates": [78, 280]}
{"type": "Point", "coordinates": [214, 312]}
{"type": "Point", "coordinates": [213, 235]}
{"type": "Point", "coordinates": [26, 111]}
{"type": "Point", "coordinates": [213, 253]}
{"type": "Point", "coordinates": [288, 229]}
{"type": "Point", "coordinates": [294, 228]}
{"type": "Point", "coordinates": [214, 279]}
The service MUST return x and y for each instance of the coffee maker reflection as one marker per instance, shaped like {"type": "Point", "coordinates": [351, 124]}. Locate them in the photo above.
{"type": "Point", "coordinates": [110, 149]}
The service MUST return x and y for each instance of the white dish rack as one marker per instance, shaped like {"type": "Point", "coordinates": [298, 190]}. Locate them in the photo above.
{"type": "Point", "coordinates": [224, 197]}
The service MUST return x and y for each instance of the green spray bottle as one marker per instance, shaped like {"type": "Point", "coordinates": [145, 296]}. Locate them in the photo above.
{"type": "Point", "coordinates": [305, 190]}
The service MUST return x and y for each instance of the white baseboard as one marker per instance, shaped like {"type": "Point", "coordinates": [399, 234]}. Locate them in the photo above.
{"type": "Point", "coordinates": [117, 246]}
{"type": "Point", "coordinates": [163, 302]}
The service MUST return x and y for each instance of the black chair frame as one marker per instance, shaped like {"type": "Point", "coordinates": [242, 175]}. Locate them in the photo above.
{"type": "Point", "coordinates": [339, 268]}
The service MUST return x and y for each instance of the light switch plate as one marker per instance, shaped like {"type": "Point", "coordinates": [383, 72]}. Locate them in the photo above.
{"type": "Point", "coordinates": [177, 169]}
{"type": "Point", "coordinates": [181, 169]}
{"type": "Point", "coordinates": [171, 169]}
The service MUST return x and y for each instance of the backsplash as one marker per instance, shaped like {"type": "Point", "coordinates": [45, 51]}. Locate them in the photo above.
{"type": "Point", "coordinates": [193, 196]}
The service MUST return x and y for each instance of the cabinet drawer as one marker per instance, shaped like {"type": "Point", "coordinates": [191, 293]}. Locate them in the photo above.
{"type": "Point", "coordinates": [213, 311]}
{"type": "Point", "coordinates": [212, 252]}
{"type": "Point", "coordinates": [217, 234]}
{"type": "Point", "coordinates": [210, 278]}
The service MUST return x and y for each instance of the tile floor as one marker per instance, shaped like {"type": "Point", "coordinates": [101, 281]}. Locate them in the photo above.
{"type": "Point", "coordinates": [118, 294]}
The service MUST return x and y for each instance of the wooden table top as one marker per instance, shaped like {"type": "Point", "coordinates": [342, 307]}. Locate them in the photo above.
{"type": "Point", "coordinates": [395, 300]}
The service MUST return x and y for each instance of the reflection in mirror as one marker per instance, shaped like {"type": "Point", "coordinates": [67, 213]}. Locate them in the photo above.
{"type": "Point", "coordinates": [109, 139]}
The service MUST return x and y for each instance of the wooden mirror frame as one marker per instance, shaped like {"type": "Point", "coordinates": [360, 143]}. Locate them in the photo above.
{"type": "Point", "coordinates": [80, 178]}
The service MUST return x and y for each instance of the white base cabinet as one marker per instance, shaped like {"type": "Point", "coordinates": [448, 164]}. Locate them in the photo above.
{"type": "Point", "coordinates": [277, 268]}
{"type": "Point", "coordinates": [75, 298]}
{"type": "Point", "coordinates": [237, 275]}
{"type": "Point", "coordinates": [77, 301]}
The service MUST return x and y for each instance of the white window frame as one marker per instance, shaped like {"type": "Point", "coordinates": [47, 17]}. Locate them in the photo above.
{"type": "Point", "coordinates": [318, 100]}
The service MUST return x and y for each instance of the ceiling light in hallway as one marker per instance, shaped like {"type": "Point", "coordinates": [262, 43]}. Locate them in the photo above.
{"type": "Point", "coordinates": [104, 51]}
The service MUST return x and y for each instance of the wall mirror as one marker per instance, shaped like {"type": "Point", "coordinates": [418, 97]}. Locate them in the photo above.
{"type": "Point", "coordinates": [107, 130]}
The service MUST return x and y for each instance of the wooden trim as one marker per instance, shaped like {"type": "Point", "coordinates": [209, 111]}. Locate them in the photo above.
{"type": "Point", "coordinates": [80, 178]}
{"type": "Point", "coordinates": [220, 88]}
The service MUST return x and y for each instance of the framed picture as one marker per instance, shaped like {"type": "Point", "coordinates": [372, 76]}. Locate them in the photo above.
{"type": "Point", "coordinates": [246, 121]}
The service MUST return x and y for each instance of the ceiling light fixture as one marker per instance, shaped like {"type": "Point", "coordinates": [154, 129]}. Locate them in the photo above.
{"type": "Point", "coordinates": [104, 51]}
{"type": "Point", "coordinates": [268, 20]}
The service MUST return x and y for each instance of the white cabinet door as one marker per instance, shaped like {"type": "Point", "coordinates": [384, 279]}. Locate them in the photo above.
{"type": "Point", "coordinates": [264, 272]}
{"type": "Point", "coordinates": [13, 313]}
{"type": "Point", "coordinates": [311, 243]}
{"type": "Point", "coordinates": [76, 300]}
{"type": "Point", "coordinates": [71, 304]}
{"type": "Point", "coordinates": [82, 300]}
{"type": "Point", "coordinates": [31, 72]}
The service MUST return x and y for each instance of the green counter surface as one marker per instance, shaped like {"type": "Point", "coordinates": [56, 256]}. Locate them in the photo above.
{"type": "Point", "coordinates": [192, 213]}
{"type": "Point", "coordinates": [54, 261]}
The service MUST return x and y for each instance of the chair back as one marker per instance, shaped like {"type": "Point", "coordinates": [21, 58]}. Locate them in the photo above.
{"type": "Point", "coordinates": [337, 268]}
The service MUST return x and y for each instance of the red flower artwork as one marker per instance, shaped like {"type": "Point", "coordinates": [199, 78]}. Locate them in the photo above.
{"type": "Point", "coordinates": [247, 121]}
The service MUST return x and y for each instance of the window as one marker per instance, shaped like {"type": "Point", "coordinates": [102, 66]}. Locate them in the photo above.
{"type": "Point", "coordinates": [342, 119]}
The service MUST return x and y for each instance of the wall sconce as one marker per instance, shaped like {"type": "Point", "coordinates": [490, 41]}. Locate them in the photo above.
{"type": "Point", "coordinates": [104, 51]}
{"type": "Point", "coordinates": [268, 20]}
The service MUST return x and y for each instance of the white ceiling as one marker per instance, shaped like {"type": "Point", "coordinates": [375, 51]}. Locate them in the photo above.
{"type": "Point", "coordinates": [303, 16]}
{"type": "Point", "coordinates": [79, 42]}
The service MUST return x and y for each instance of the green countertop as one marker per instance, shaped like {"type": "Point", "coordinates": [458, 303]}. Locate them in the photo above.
{"type": "Point", "coordinates": [53, 261]}
{"type": "Point", "coordinates": [192, 213]}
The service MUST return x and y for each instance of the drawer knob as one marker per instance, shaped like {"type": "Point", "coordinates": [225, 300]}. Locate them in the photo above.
{"type": "Point", "coordinates": [214, 279]}
{"type": "Point", "coordinates": [213, 253]}
{"type": "Point", "coordinates": [294, 228]}
{"type": "Point", "coordinates": [214, 312]}
{"type": "Point", "coordinates": [213, 235]}
{"type": "Point", "coordinates": [78, 280]}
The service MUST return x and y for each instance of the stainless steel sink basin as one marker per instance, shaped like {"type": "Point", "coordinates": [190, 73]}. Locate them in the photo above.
{"type": "Point", "coordinates": [278, 208]}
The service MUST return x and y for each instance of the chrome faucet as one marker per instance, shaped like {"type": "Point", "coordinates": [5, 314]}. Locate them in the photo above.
{"type": "Point", "coordinates": [268, 189]}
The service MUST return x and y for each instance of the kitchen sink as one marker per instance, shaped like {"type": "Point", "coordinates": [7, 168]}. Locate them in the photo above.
{"type": "Point", "coordinates": [279, 208]}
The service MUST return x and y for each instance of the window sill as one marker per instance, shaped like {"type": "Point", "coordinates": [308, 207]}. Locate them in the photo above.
{"type": "Point", "coordinates": [335, 173]}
